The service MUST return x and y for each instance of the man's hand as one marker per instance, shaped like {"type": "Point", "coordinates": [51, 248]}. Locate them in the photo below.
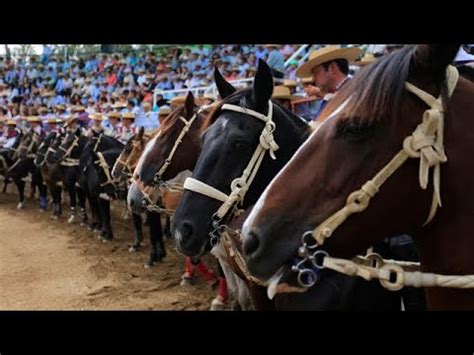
{"type": "Point", "coordinates": [313, 91]}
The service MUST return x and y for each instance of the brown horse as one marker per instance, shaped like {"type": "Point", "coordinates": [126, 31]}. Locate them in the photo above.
{"type": "Point", "coordinates": [364, 128]}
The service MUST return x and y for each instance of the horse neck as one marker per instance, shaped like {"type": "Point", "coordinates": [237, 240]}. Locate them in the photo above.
{"type": "Point", "coordinates": [445, 246]}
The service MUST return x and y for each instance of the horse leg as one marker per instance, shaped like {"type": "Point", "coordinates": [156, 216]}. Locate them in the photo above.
{"type": "Point", "coordinates": [222, 299]}
{"type": "Point", "coordinates": [20, 184]}
{"type": "Point", "coordinates": [82, 205]}
{"type": "Point", "coordinates": [71, 189]}
{"type": "Point", "coordinates": [167, 231]}
{"type": "Point", "coordinates": [137, 223]}
{"type": "Point", "coordinates": [43, 190]}
{"type": "Point", "coordinates": [187, 277]}
{"type": "Point", "coordinates": [107, 233]}
{"type": "Point", "coordinates": [6, 181]}
{"type": "Point", "coordinates": [96, 224]}
{"type": "Point", "coordinates": [208, 274]}
{"type": "Point", "coordinates": [157, 247]}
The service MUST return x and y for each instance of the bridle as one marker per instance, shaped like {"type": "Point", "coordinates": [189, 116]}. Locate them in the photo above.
{"type": "Point", "coordinates": [425, 143]}
{"type": "Point", "coordinates": [66, 160]}
{"type": "Point", "coordinates": [240, 185]}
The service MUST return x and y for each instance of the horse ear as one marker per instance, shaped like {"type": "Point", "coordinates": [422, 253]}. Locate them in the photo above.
{"type": "Point", "coordinates": [262, 86]}
{"type": "Point", "coordinates": [432, 60]}
{"type": "Point", "coordinates": [223, 86]}
{"type": "Point", "coordinates": [189, 104]}
{"type": "Point", "coordinates": [141, 132]}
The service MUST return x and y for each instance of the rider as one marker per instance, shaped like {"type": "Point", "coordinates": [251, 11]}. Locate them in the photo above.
{"type": "Point", "coordinates": [96, 127]}
{"type": "Point", "coordinates": [127, 128]}
{"type": "Point", "coordinates": [329, 67]}
{"type": "Point", "coordinates": [112, 129]}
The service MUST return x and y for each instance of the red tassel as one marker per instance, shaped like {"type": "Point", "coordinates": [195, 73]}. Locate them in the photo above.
{"type": "Point", "coordinates": [223, 293]}
{"type": "Point", "coordinates": [205, 271]}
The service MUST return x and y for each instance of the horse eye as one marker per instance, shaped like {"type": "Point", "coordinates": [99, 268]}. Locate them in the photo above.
{"type": "Point", "coordinates": [353, 130]}
{"type": "Point", "coordinates": [239, 145]}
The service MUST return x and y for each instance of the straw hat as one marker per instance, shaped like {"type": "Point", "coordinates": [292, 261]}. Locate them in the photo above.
{"type": "Point", "coordinates": [53, 120]}
{"type": "Point", "coordinates": [61, 107]}
{"type": "Point", "coordinates": [324, 55]}
{"type": "Point", "coordinates": [70, 119]}
{"type": "Point", "coordinates": [289, 83]}
{"type": "Point", "coordinates": [308, 80]}
{"type": "Point", "coordinates": [128, 115]}
{"type": "Point", "coordinates": [368, 58]}
{"type": "Point", "coordinates": [79, 108]}
{"type": "Point", "coordinates": [96, 116]}
{"type": "Point", "coordinates": [11, 122]}
{"type": "Point", "coordinates": [178, 100]}
{"type": "Point", "coordinates": [35, 119]}
{"type": "Point", "coordinates": [114, 114]}
{"type": "Point", "coordinates": [282, 92]}
{"type": "Point", "coordinates": [43, 110]}
{"type": "Point", "coordinates": [119, 105]}
{"type": "Point", "coordinates": [164, 111]}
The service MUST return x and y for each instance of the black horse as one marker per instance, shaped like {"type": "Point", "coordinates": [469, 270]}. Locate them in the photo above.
{"type": "Point", "coordinates": [89, 167]}
{"type": "Point", "coordinates": [23, 166]}
{"type": "Point", "coordinates": [51, 173]}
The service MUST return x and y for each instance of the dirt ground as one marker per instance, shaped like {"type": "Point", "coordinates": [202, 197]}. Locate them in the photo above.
{"type": "Point", "coordinates": [48, 264]}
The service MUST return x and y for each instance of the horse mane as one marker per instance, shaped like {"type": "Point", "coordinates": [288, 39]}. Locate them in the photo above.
{"type": "Point", "coordinates": [467, 72]}
{"type": "Point", "coordinates": [171, 120]}
{"type": "Point", "coordinates": [376, 89]}
{"type": "Point", "coordinates": [240, 98]}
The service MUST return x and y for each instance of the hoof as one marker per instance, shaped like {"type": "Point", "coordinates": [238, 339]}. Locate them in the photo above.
{"type": "Point", "coordinates": [218, 305]}
{"type": "Point", "coordinates": [105, 240]}
{"type": "Point", "coordinates": [186, 280]}
{"type": "Point", "coordinates": [134, 249]}
{"type": "Point", "coordinates": [95, 230]}
{"type": "Point", "coordinates": [42, 210]}
{"type": "Point", "coordinates": [71, 219]}
{"type": "Point", "coordinates": [20, 206]}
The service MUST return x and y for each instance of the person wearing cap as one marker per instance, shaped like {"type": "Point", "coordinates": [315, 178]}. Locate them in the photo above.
{"type": "Point", "coordinates": [276, 61]}
{"type": "Point", "coordinates": [146, 118]}
{"type": "Point", "coordinates": [127, 127]}
{"type": "Point", "coordinates": [71, 124]}
{"type": "Point", "coordinates": [112, 124]}
{"type": "Point", "coordinates": [329, 68]}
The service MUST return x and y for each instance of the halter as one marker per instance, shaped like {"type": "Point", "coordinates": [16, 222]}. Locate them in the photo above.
{"type": "Point", "coordinates": [126, 164]}
{"type": "Point", "coordinates": [66, 161]}
{"type": "Point", "coordinates": [425, 143]}
{"type": "Point", "coordinates": [240, 185]}
{"type": "Point", "coordinates": [187, 125]}
{"type": "Point", "coordinates": [105, 167]}
{"type": "Point", "coordinates": [157, 181]}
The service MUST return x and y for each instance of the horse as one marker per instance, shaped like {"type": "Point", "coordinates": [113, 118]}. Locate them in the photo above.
{"type": "Point", "coordinates": [7, 157]}
{"type": "Point", "coordinates": [234, 141]}
{"type": "Point", "coordinates": [91, 163]}
{"type": "Point", "coordinates": [370, 125]}
{"type": "Point", "coordinates": [170, 153]}
{"type": "Point", "coordinates": [122, 172]}
{"type": "Point", "coordinates": [51, 174]}
{"type": "Point", "coordinates": [23, 166]}
{"type": "Point", "coordinates": [67, 158]}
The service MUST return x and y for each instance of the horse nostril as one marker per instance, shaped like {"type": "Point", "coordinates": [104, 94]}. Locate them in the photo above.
{"type": "Point", "coordinates": [186, 230]}
{"type": "Point", "coordinates": [251, 243]}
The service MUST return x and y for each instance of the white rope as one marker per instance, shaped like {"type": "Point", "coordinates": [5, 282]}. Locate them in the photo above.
{"type": "Point", "coordinates": [240, 186]}
{"type": "Point", "coordinates": [425, 143]}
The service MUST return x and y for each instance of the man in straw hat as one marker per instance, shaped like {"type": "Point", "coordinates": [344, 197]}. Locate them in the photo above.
{"type": "Point", "coordinates": [127, 127]}
{"type": "Point", "coordinates": [34, 125]}
{"type": "Point", "coordinates": [96, 126]}
{"type": "Point", "coordinates": [281, 94]}
{"type": "Point", "coordinates": [112, 124]}
{"type": "Point", "coordinates": [329, 67]}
